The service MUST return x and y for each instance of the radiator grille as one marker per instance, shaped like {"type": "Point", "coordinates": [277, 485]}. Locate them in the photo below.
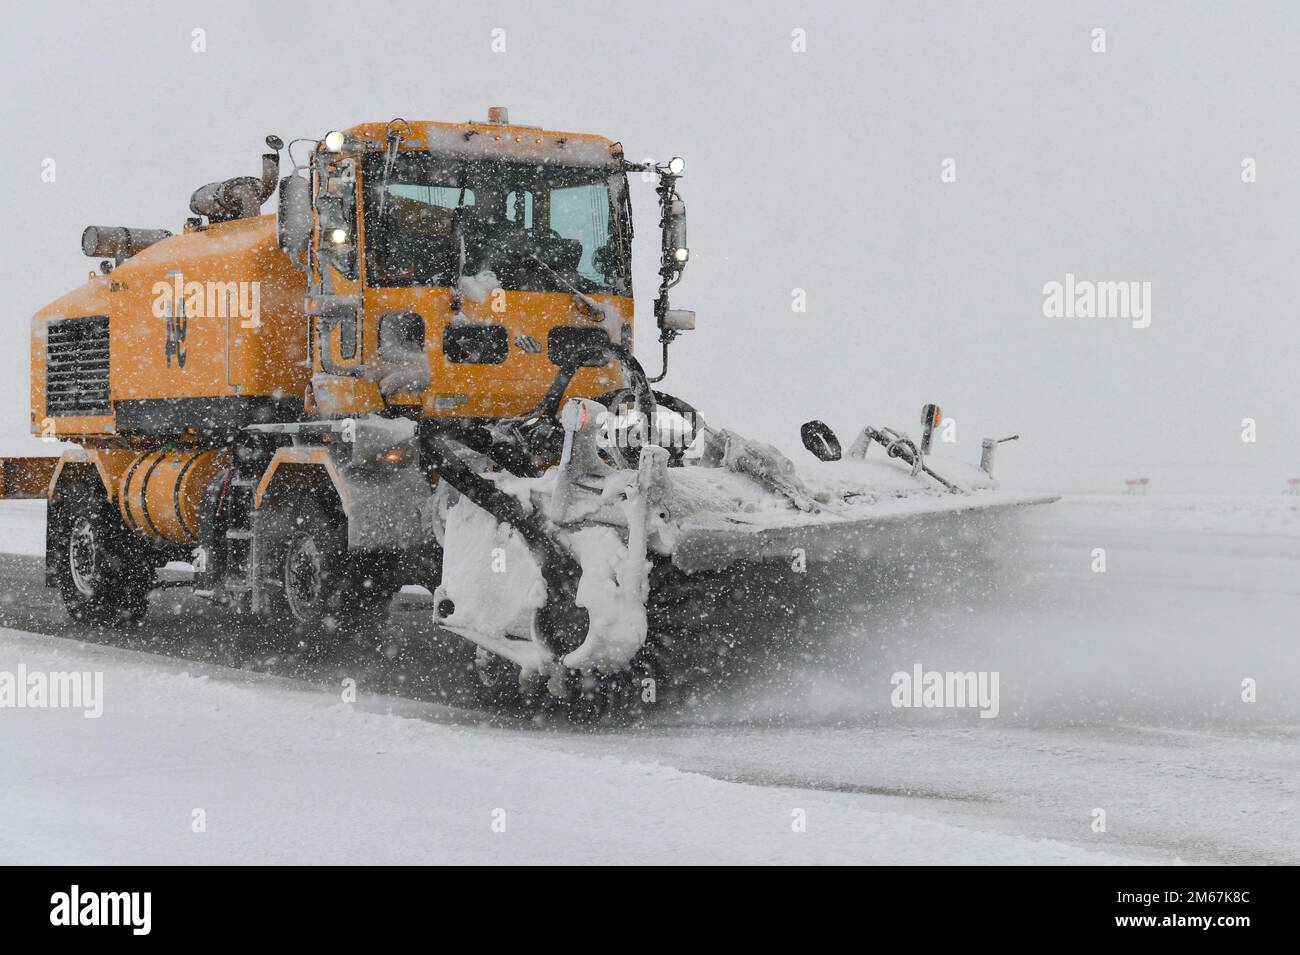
{"type": "Point", "coordinates": [76, 366]}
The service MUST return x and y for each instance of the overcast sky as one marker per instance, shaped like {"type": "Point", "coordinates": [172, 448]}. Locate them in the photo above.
{"type": "Point", "coordinates": [816, 170]}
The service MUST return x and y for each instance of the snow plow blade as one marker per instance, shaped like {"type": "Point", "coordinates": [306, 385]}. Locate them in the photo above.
{"type": "Point", "coordinates": [889, 530]}
{"type": "Point", "coordinates": [756, 506]}
{"type": "Point", "coordinates": [590, 565]}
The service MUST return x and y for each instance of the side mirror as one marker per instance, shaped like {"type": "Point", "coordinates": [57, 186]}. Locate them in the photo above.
{"type": "Point", "coordinates": [672, 257]}
{"type": "Point", "coordinates": [676, 250]}
{"type": "Point", "coordinates": [293, 217]}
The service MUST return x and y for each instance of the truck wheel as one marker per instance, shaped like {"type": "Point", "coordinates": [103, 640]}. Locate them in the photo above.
{"type": "Point", "coordinates": [586, 699]}
{"type": "Point", "coordinates": [302, 571]}
{"type": "Point", "coordinates": [496, 687]}
{"type": "Point", "coordinates": [104, 575]}
{"type": "Point", "coordinates": [496, 681]}
{"type": "Point", "coordinates": [318, 593]}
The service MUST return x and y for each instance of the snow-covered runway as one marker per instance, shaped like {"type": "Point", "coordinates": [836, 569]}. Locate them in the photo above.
{"type": "Point", "coordinates": [289, 773]}
{"type": "Point", "coordinates": [1120, 691]}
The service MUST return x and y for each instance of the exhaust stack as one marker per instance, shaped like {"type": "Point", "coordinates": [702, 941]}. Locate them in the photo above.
{"type": "Point", "coordinates": [237, 198]}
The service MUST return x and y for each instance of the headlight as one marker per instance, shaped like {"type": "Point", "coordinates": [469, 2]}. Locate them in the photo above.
{"type": "Point", "coordinates": [676, 165]}
{"type": "Point", "coordinates": [681, 255]}
{"type": "Point", "coordinates": [334, 141]}
{"type": "Point", "coordinates": [338, 236]}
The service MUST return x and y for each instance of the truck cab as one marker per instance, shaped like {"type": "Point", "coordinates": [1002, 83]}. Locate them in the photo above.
{"type": "Point", "coordinates": [453, 267]}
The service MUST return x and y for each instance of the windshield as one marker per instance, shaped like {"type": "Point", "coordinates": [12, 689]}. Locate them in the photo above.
{"type": "Point", "coordinates": [510, 216]}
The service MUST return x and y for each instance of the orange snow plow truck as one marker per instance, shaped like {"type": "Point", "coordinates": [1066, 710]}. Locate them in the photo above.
{"type": "Point", "coordinates": [420, 370]}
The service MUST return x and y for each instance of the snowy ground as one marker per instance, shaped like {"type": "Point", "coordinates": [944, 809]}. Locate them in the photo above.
{"type": "Point", "coordinates": [287, 773]}
{"type": "Point", "coordinates": [1120, 691]}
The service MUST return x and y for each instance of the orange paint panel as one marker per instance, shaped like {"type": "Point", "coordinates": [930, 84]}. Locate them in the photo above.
{"type": "Point", "coordinates": [242, 331]}
{"type": "Point", "coordinates": [515, 386]}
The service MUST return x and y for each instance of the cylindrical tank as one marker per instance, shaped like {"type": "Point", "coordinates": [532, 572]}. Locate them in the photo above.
{"type": "Point", "coordinates": [101, 241]}
{"type": "Point", "coordinates": [160, 491]}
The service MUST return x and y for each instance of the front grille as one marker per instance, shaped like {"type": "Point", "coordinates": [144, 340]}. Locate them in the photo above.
{"type": "Point", "coordinates": [76, 366]}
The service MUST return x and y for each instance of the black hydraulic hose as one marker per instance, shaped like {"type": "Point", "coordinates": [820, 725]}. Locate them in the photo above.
{"type": "Point", "coordinates": [549, 406]}
{"type": "Point", "coordinates": [563, 622]}
{"type": "Point", "coordinates": [903, 449]}
{"type": "Point", "coordinates": [499, 504]}
{"type": "Point", "coordinates": [663, 374]}
{"type": "Point", "coordinates": [640, 382]}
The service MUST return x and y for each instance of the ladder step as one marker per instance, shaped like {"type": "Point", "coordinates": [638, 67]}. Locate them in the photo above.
{"type": "Point", "coordinates": [239, 535]}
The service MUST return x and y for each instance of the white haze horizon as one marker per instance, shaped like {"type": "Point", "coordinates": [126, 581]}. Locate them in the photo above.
{"type": "Point", "coordinates": [818, 170]}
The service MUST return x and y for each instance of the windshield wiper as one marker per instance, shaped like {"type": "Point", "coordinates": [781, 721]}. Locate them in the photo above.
{"type": "Point", "coordinates": [588, 302]}
{"type": "Point", "coordinates": [390, 160]}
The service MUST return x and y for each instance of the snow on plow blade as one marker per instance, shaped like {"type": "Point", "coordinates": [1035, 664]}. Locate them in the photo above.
{"type": "Point", "coordinates": [555, 572]}
{"type": "Point", "coordinates": [717, 541]}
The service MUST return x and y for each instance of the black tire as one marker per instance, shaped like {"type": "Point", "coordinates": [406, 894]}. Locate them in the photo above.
{"type": "Point", "coordinates": [318, 594]}
{"type": "Point", "coordinates": [104, 573]}
{"type": "Point", "coordinates": [495, 682]}
{"type": "Point", "coordinates": [586, 699]}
